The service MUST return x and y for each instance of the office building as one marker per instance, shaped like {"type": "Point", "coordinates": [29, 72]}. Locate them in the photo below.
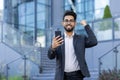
{"type": "Point", "coordinates": [29, 26]}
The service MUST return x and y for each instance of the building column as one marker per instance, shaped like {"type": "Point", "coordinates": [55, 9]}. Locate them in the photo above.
{"type": "Point", "coordinates": [57, 12]}
{"type": "Point", "coordinates": [114, 7]}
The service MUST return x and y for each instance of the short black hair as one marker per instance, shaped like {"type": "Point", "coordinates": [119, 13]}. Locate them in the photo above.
{"type": "Point", "coordinates": [69, 12]}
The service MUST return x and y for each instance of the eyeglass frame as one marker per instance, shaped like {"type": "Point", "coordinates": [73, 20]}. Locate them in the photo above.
{"type": "Point", "coordinates": [71, 20]}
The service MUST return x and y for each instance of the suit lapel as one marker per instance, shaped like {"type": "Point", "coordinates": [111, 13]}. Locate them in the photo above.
{"type": "Point", "coordinates": [74, 41]}
{"type": "Point", "coordinates": [63, 53]}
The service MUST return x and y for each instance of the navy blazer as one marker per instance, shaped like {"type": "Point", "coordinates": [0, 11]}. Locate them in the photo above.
{"type": "Point", "coordinates": [80, 42]}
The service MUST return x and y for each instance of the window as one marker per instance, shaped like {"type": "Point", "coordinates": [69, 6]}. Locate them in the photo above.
{"type": "Point", "coordinates": [117, 28]}
{"type": "Point", "coordinates": [103, 30]}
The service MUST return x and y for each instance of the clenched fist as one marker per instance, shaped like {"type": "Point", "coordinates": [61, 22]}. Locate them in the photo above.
{"type": "Point", "coordinates": [83, 23]}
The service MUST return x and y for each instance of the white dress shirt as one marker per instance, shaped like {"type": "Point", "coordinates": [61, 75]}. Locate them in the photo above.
{"type": "Point", "coordinates": [71, 63]}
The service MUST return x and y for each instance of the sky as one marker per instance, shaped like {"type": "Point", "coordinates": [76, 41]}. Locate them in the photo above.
{"type": "Point", "coordinates": [1, 4]}
{"type": "Point", "coordinates": [101, 3]}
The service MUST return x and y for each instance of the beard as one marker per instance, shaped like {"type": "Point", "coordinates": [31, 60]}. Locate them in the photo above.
{"type": "Point", "coordinates": [69, 29]}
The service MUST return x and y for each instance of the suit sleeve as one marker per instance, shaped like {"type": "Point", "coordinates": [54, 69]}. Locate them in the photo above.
{"type": "Point", "coordinates": [90, 39]}
{"type": "Point", "coordinates": [51, 53]}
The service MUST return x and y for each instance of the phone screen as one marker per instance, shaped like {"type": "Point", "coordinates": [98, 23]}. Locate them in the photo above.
{"type": "Point", "coordinates": [57, 33]}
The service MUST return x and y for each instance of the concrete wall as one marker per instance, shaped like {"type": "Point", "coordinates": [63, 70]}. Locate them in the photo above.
{"type": "Point", "coordinates": [115, 7]}
{"type": "Point", "coordinates": [7, 54]}
{"type": "Point", "coordinates": [15, 62]}
{"type": "Point", "coordinates": [92, 54]}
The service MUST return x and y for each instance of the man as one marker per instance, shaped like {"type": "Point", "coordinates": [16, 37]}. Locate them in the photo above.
{"type": "Point", "coordinates": [69, 51]}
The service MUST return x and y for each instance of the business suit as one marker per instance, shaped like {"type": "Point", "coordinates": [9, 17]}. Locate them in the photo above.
{"type": "Point", "coordinates": [80, 42]}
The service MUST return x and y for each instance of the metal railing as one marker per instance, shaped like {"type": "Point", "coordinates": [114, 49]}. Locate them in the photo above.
{"type": "Point", "coordinates": [110, 60]}
{"type": "Point", "coordinates": [21, 68]}
{"type": "Point", "coordinates": [19, 41]}
{"type": "Point", "coordinates": [26, 61]}
{"type": "Point", "coordinates": [22, 43]}
{"type": "Point", "coordinates": [34, 57]}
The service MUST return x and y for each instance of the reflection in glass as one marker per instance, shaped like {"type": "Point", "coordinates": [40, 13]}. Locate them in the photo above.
{"type": "Point", "coordinates": [117, 28]}
{"type": "Point", "coordinates": [103, 29]}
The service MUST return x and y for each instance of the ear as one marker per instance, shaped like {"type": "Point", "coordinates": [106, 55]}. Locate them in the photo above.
{"type": "Point", "coordinates": [75, 23]}
{"type": "Point", "coordinates": [62, 23]}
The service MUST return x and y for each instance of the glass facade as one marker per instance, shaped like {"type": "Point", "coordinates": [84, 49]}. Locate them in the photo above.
{"type": "Point", "coordinates": [117, 28]}
{"type": "Point", "coordinates": [32, 15]}
{"type": "Point", "coordinates": [93, 11]}
{"type": "Point", "coordinates": [99, 8]}
{"type": "Point", "coordinates": [27, 21]}
{"type": "Point", "coordinates": [83, 8]}
{"type": "Point", "coordinates": [103, 29]}
{"type": "Point", "coordinates": [87, 9]}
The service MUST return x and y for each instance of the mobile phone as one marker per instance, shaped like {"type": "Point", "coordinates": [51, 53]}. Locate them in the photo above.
{"type": "Point", "coordinates": [57, 33]}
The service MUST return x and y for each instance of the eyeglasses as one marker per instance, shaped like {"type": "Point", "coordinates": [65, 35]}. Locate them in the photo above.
{"type": "Point", "coordinates": [71, 20]}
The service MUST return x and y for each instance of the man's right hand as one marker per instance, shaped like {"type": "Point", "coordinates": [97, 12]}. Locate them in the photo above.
{"type": "Point", "coordinates": [57, 41]}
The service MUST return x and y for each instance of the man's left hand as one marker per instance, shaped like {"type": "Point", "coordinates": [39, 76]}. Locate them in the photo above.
{"type": "Point", "coordinates": [83, 23]}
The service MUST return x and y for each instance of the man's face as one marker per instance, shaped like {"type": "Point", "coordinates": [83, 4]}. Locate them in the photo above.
{"type": "Point", "coordinates": [69, 23]}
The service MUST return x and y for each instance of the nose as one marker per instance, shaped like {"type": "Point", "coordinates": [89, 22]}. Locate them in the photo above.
{"type": "Point", "coordinates": [68, 22]}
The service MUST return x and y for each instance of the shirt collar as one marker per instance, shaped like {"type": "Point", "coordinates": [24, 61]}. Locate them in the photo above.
{"type": "Point", "coordinates": [67, 35]}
